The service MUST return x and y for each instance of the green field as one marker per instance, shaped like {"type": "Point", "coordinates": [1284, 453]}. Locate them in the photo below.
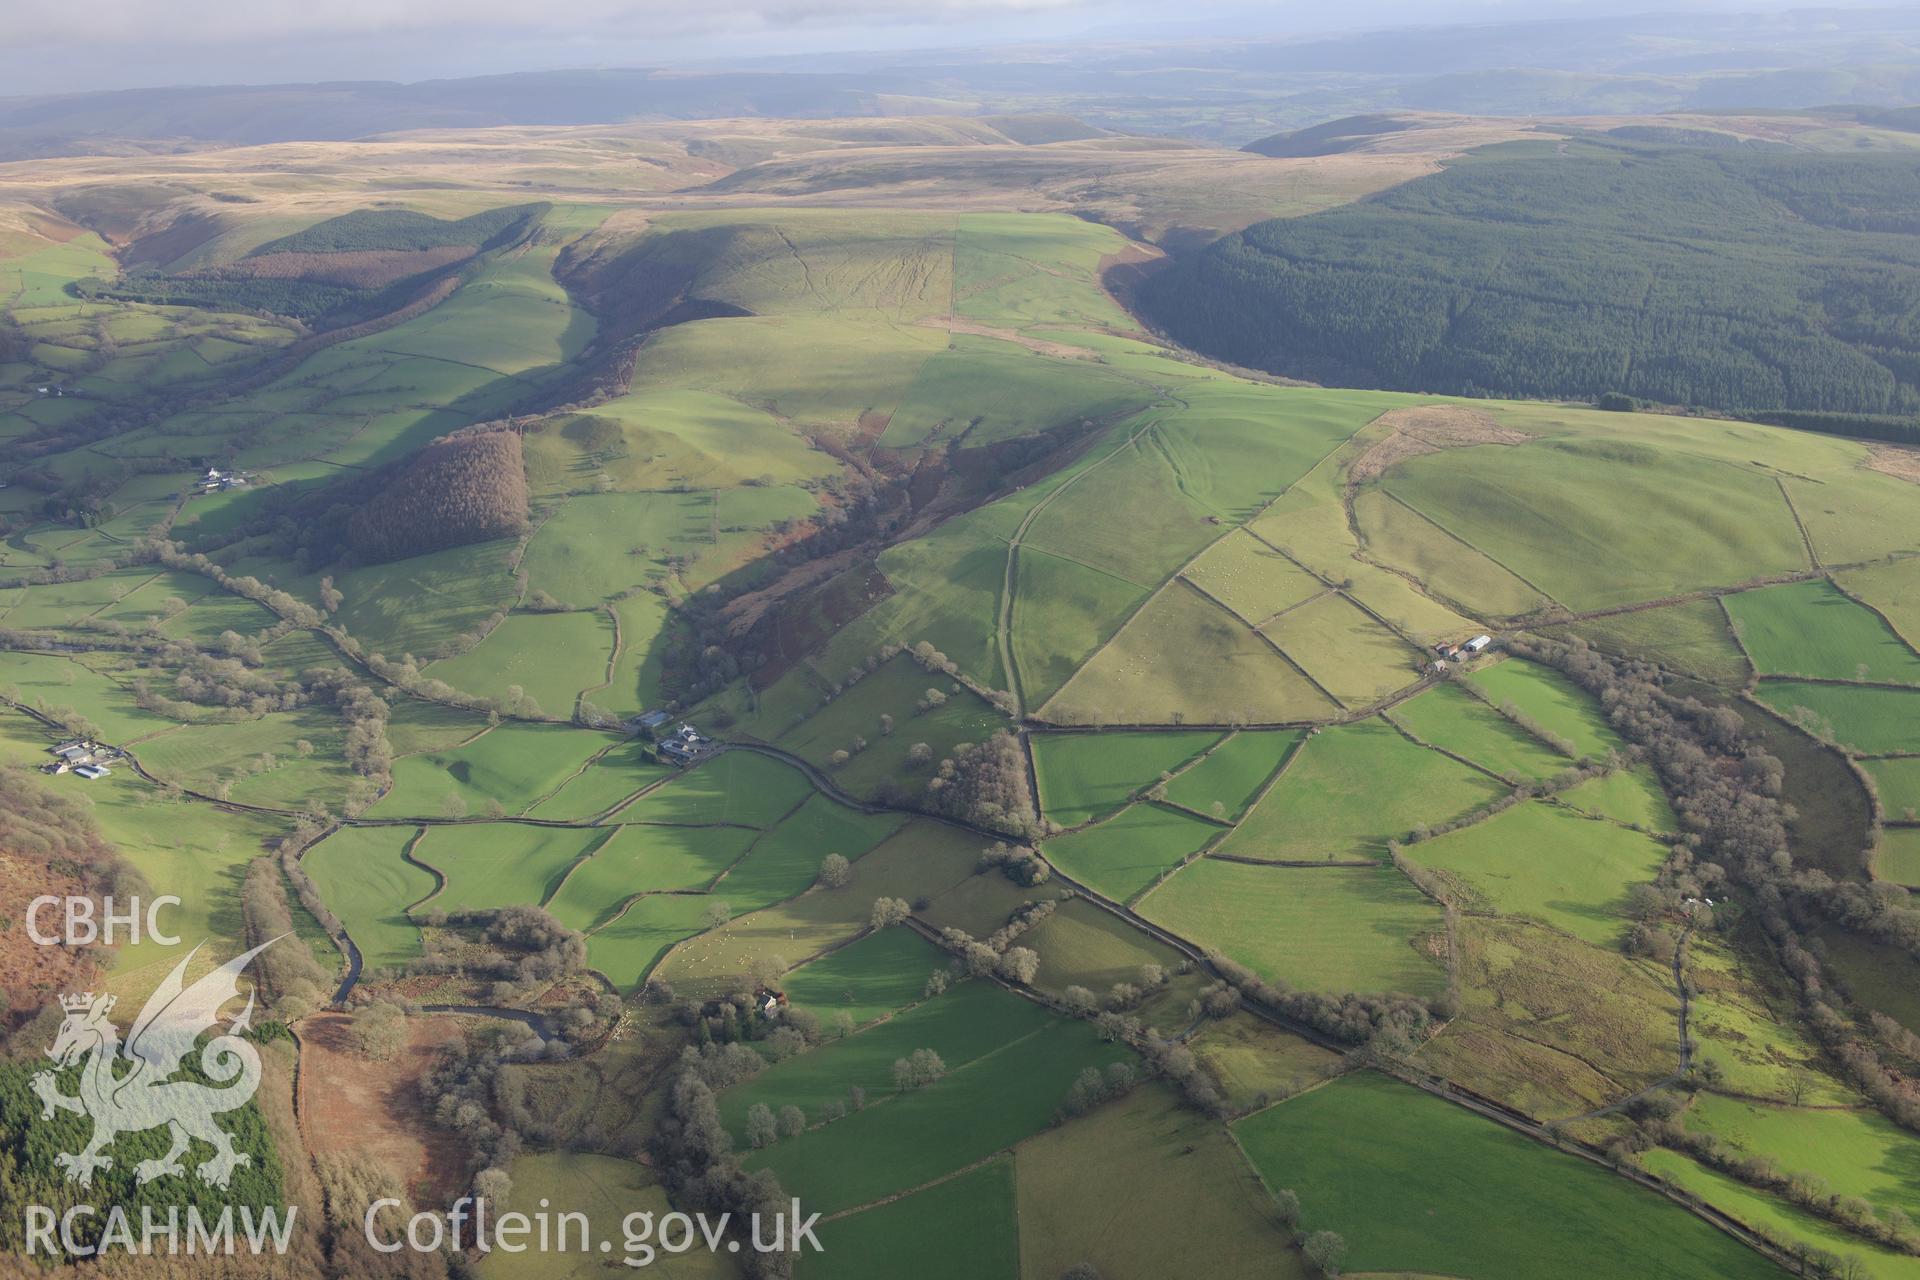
{"type": "Point", "coordinates": [414, 725]}
{"type": "Point", "coordinates": [1125, 854]}
{"type": "Point", "coordinates": [366, 882]}
{"type": "Point", "coordinates": [1811, 629]}
{"type": "Point", "coordinates": [994, 276]}
{"type": "Point", "coordinates": [256, 762]}
{"type": "Point", "coordinates": [59, 686]}
{"type": "Point", "coordinates": [500, 864]}
{"type": "Point", "coordinates": [871, 978]}
{"type": "Point", "coordinates": [1737, 1020]}
{"type": "Point", "coordinates": [982, 902]}
{"type": "Point", "coordinates": [671, 437]}
{"type": "Point", "coordinates": [969, 1022]}
{"type": "Point", "coordinates": [811, 369]}
{"type": "Point", "coordinates": [199, 855]}
{"type": "Point", "coordinates": [1084, 776]}
{"type": "Point", "coordinates": [1251, 578]}
{"type": "Point", "coordinates": [905, 1140]}
{"type": "Point", "coordinates": [961, 1229]}
{"type": "Point", "coordinates": [1402, 536]}
{"type": "Point", "coordinates": [147, 602]}
{"type": "Point", "coordinates": [1898, 858]}
{"type": "Point", "coordinates": [636, 860]}
{"type": "Point", "coordinates": [985, 390]}
{"type": "Point", "coordinates": [512, 317]}
{"type": "Point", "coordinates": [1143, 1187]}
{"type": "Point", "coordinates": [627, 949]}
{"type": "Point", "coordinates": [606, 1190]}
{"type": "Point", "coordinates": [1233, 773]}
{"type": "Point", "coordinates": [513, 765]}
{"type": "Point", "coordinates": [645, 626]}
{"type": "Point", "coordinates": [1347, 653]}
{"type": "Point", "coordinates": [1182, 656]}
{"type": "Point", "coordinates": [1593, 525]}
{"type": "Point", "coordinates": [625, 769]}
{"type": "Point", "coordinates": [413, 605]}
{"type": "Point", "coordinates": [66, 603]}
{"type": "Point", "coordinates": [1451, 718]}
{"type": "Point", "coordinates": [601, 544]}
{"type": "Point", "coordinates": [786, 859]}
{"type": "Point", "coordinates": [921, 859]}
{"type": "Point", "coordinates": [1331, 929]}
{"type": "Point", "coordinates": [1550, 700]}
{"type": "Point", "coordinates": [738, 787]}
{"type": "Point", "coordinates": [1630, 795]}
{"type": "Point", "coordinates": [1251, 1057]}
{"type": "Point", "coordinates": [895, 689]}
{"type": "Point", "coordinates": [1417, 1185]}
{"type": "Point", "coordinates": [1329, 803]}
{"type": "Point", "coordinates": [1543, 861]}
{"type": "Point", "coordinates": [214, 614]}
{"type": "Point", "coordinates": [1775, 1218]}
{"type": "Point", "coordinates": [1873, 721]}
{"type": "Point", "coordinates": [1856, 1152]}
{"type": "Point", "coordinates": [1898, 782]}
{"type": "Point", "coordinates": [1892, 588]}
{"type": "Point", "coordinates": [946, 591]}
{"type": "Point", "coordinates": [1063, 613]}
{"type": "Point", "coordinates": [1236, 446]}
{"type": "Point", "coordinates": [1084, 945]}
{"type": "Point", "coordinates": [549, 657]}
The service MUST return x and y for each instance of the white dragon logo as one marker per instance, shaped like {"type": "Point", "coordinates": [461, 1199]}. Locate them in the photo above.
{"type": "Point", "coordinates": [131, 1089]}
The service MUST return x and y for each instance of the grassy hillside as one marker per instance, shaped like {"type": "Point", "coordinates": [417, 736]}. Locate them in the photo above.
{"type": "Point", "coordinates": [1008, 619]}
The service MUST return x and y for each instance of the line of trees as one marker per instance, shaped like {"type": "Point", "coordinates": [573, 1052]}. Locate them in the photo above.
{"type": "Point", "coordinates": [693, 1154]}
{"type": "Point", "coordinates": [288, 972]}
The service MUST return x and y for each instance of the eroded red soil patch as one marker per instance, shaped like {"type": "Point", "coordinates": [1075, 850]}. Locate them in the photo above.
{"type": "Point", "coordinates": [350, 1105]}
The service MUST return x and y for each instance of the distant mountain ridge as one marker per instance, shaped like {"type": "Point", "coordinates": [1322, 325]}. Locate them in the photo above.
{"type": "Point", "coordinates": [1649, 64]}
{"type": "Point", "coordinates": [117, 121]}
{"type": "Point", "coordinates": [1332, 138]}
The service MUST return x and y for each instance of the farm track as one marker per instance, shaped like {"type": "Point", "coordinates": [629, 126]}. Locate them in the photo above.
{"type": "Point", "coordinates": [613, 664]}
{"type": "Point", "coordinates": [1806, 539]}
{"type": "Point", "coordinates": [1303, 864]}
{"type": "Point", "coordinates": [1686, 1039]}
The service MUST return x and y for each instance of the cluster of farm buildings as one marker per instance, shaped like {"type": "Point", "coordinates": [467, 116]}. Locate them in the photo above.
{"type": "Point", "coordinates": [1450, 652]}
{"type": "Point", "coordinates": [82, 757]}
{"type": "Point", "coordinates": [218, 481]}
{"type": "Point", "coordinates": [683, 745]}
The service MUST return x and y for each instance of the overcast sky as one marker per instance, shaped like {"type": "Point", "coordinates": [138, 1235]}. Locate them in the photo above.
{"type": "Point", "coordinates": [49, 46]}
